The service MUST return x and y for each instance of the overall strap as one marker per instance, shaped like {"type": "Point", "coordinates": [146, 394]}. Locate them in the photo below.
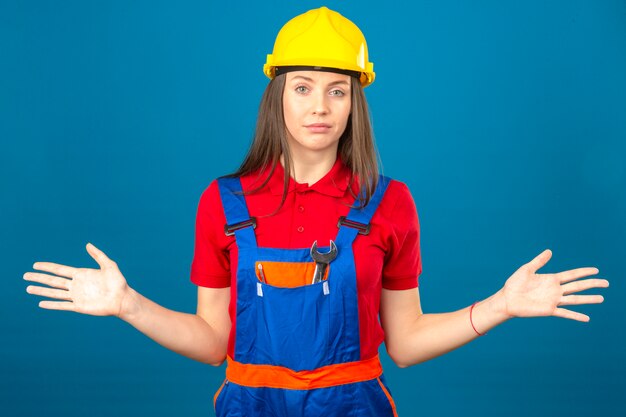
{"type": "Point", "coordinates": [238, 220]}
{"type": "Point", "coordinates": [358, 220]}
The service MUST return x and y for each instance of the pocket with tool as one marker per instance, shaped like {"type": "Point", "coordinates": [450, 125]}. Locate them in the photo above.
{"type": "Point", "coordinates": [297, 274]}
{"type": "Point", "coordinates": [286, 274]}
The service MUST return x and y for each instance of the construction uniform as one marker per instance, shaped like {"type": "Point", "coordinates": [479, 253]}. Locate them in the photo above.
{"type": "Point", "coordinates": [296, 348]}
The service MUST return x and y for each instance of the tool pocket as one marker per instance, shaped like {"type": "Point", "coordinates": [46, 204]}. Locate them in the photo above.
{"type": "Point", "coordinates": [293, 325]}
{"type": "Point", "coordinates": [286, 274]}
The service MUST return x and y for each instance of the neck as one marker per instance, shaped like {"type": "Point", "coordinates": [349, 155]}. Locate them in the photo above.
{"type": "Point", "coordinates": [311, 167]}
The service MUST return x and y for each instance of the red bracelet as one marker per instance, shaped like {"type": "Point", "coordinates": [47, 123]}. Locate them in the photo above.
{"type": "Point", "coordinates": [471, 308]}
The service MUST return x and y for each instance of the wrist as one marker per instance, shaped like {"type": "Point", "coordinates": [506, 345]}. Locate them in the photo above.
{"type": "Point", "coordinates": [129, 305]}
{"type": "Point", "coordinates": [489, 313]}
{"type": "Point", "coordinates": [497, 304]}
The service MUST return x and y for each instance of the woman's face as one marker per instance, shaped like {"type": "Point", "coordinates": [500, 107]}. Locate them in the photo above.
{"type": "Point", "coordinates": [316, 108]}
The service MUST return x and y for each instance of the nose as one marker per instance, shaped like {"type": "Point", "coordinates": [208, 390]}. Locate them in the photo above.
{"type": "Point", "coordinates": [320, 103]}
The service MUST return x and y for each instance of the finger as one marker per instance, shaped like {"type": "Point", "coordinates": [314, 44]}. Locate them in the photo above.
{"type": "Point", "coordinates": [568, 314]}
{"type": "Point", "coordinates": [57, 305]}
{"type": "Point", "coordinates": [55, 282]}
{"type": "Point", "coordinates": [573, 274]}
{"type": "Point", "coordinates": [540, 260]}
{"type": "Point", "coordinates": [584, 285]}
{"type": "Point", "coordinates": [57, 269]}
{"type": "Point", "coordinates": [99, 256]}
{"type": "Point", "coordinates": [581, 299]}
{"type": "Point", "coordinates": [48, 292]}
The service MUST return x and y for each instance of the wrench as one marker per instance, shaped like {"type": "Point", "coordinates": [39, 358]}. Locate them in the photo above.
{"type": "Point", "coordinates": [322, 260]}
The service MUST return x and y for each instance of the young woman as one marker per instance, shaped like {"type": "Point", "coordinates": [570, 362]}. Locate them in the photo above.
{"type": "Point", "coordinates": [302, 249]}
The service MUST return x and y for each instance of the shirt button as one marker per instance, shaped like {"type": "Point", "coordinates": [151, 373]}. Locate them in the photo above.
{"type": "Point", "coordinates": [300, 229]}
{"type": "Point", "coordinates": [301, 209]}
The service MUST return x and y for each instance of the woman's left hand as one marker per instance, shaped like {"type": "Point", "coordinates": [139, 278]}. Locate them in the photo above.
{"type": "Point", "coordinates": [529, 294]}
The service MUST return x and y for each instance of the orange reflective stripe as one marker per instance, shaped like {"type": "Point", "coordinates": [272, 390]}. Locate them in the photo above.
{"type": "Point", "coordinates": [393, 405]}
{"type": "Point", "coordinates": [251, 375]}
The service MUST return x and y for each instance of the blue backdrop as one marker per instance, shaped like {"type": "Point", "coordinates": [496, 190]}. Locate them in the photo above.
{"type": "Point", "coordinates": [506, 119]}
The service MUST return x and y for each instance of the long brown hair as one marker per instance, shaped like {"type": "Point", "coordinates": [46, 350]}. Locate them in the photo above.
{"type": "Point", "coordinates": [356, 145]}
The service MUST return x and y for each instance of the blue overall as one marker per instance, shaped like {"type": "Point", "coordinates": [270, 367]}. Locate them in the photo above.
{"type": "Point", "coordinates": [301, 328]}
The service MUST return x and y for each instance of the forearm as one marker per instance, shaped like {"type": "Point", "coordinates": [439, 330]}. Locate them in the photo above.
{"type": "Point", "coordinates": [433, 335]}
{"type": "Point", "coordinates": [187, 334]}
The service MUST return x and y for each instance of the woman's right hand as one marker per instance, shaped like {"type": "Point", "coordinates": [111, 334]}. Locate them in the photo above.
{"type": "Point", "coordinates": [99, 292]}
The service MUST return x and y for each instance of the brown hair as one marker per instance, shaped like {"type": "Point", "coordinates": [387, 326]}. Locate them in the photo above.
{"type": "Point", "coordinates": [356, 145]}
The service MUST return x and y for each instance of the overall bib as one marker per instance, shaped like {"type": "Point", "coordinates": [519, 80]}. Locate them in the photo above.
{"type": "Point", "coordinates": [297, 349]}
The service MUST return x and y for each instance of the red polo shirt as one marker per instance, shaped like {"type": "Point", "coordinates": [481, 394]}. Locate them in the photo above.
{"type": "Point", "coordinates": [389, 257]}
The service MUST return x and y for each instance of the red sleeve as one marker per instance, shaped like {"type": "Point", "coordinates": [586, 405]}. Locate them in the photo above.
{"type": "Point", "coordinates": [211, 262]}
{"type": "Point", "coordinates": [403, 262]}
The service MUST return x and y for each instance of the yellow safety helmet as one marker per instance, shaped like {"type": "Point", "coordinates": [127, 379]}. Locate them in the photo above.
{"type": "Point", "coordinates": [323, 40]}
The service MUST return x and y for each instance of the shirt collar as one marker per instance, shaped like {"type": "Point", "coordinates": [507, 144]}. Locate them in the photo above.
{"type": "Point", "coordinates": [333, 184]}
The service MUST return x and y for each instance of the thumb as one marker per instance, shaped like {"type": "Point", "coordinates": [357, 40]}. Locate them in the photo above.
{"type": "Point", "coordinates": [99, 256]}
{"type": "Point", "coordinates": [540, 260]}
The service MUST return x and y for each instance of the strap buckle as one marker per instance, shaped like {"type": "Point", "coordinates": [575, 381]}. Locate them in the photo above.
{"type": "Point", "coordinates": [364, 229]}
{"type": "Point", "coordinates": [229, 229]}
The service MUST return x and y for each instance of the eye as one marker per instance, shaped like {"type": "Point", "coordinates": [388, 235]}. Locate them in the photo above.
{"type": "Point", "coordinates": [301, 89]}
{"type": "Point", "coordinates": [338, 93]}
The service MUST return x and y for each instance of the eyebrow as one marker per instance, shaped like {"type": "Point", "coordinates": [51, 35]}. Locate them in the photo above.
{"type": "Point", "coordinates": [311, 80]}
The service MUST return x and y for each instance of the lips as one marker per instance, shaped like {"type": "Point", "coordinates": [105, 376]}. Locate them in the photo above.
{"type": "Point", "coordinates": [318, 127]}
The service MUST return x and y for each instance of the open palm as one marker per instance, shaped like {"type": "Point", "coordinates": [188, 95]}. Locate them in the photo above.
{"type": "Point", "coordinates": [529, 294]}
{"type": "Point", "coordinates": [99, 292]}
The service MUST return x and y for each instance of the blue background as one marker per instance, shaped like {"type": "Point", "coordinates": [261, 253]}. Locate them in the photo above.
{"type": "Point", "coordinates": [506, 119]}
